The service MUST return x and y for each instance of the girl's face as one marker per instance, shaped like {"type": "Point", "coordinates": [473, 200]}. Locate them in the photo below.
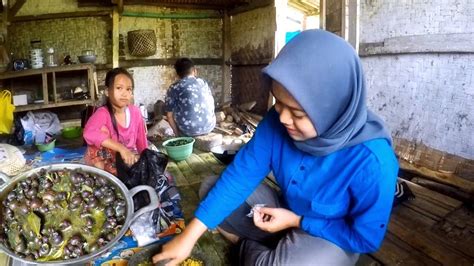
{"type": "Point", "coordinates": [292, 116]}
{"type": "Point", "coordinates": [121, 92]}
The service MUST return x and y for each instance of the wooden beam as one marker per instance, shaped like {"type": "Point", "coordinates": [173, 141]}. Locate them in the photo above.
{"type": "Point", "coordinates": [167, 62]}
{"type": "Point", "coordinates": [429, 43]}
{"type": "Point", "coordinates": [115, 38]}
{"type": "Point", "coordinates": [61, 15]}
{"type": "Point", "coordinates": [253, 5]}
{"type": "Point", "coordinates": [322, 14]}
{"type": "Point", "coordinates": [16, 7]}
{"type": "Point", "coordinates": [448, 179]}
{"type": "Point", "coordinates": [177, 5]}
{"type": "Point", "coordinates": [226, 54]}
{"type": "Point", "coordinates": [119, 4]}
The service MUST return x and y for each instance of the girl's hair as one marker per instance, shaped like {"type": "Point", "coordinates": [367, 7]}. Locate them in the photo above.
{"type": "Point", "coordinates": [110, 77]}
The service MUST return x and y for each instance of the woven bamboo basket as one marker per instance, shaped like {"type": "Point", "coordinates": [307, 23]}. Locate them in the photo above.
{"type": "Point", "coordinates": [142, 42]}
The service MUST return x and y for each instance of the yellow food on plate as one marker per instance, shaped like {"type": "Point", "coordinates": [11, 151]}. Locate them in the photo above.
{"type": "Point", "coordinates": [192, 262]}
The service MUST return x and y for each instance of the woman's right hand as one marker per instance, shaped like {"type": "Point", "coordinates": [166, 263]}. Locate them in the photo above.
{"type": "Point", "coordinates": [128, 157]}
{"type": "Point", "coordinates": [174, 252]}
{"type": "Point", "coordinates": [181, 246]}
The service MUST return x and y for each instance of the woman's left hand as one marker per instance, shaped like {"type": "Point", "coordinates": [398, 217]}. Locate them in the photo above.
{"type": "Point", "coordinates": [275, 219]}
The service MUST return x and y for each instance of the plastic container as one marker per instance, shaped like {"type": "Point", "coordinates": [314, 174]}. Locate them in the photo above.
{"type": "Point", "coordinates": [46, 146]}
{"type": "Point", "coordinates": [71, 132]}
{"type": "Point", "coordinates": [179, 152]}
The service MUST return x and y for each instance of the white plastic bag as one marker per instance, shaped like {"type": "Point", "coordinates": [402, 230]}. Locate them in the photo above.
{"type": "Point", "coordinates": [38, 124]}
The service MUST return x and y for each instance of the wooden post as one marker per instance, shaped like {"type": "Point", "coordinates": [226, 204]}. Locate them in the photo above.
{"type": "Point", "coordinates": [44, 77]}
{"type": "Point", "coordinates": [322, 14]}
{"type": "Point", "coordinates": [353, 23]}
{"type": "Point", "coordinates": [115, 38]}
{"type": "Point", "coordinates": [55, 91]}
{"type": "Point", "coordinates": [226, 54]}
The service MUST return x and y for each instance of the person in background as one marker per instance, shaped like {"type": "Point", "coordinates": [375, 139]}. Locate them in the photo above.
{"type": "Point", "coordinates": [189, 103]}
{"type": "Point", "coordinates": [117, 127]}
{"type": "Point", "coordinates": [331, 157]}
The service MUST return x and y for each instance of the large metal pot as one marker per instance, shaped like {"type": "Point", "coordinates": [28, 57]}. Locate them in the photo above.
{"type": "Point", "coordinates": [128, 194]}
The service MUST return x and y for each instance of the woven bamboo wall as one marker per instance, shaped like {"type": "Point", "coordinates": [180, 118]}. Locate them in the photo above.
{"type": "Point", "coordinates": [67, 36]}
{"type": "Point", "coordinates": [252, 35]}
{"type": "Point", "coordinates": [247, 87]}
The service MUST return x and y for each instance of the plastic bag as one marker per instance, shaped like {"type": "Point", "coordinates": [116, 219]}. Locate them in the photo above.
{"type": "Point", "coordinates": [38, 125]}
{"type": "Point", "coordinates": [167, 218]}
{"type": "Point", "coordinates": [6, 112]}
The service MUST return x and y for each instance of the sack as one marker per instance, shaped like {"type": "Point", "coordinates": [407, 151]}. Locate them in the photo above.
{"type": "Point", "coordinates": [6, 112]}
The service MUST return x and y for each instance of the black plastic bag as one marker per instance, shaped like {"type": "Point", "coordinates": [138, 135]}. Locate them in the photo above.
{"type": "Point", "coordinates": [148, 170]}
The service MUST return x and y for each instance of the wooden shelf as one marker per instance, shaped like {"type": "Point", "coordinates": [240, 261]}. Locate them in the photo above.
{"type": "Point", "coordinates": [44, 70]}
{"type": "Point", "coordinates": [30, 107]}
{"type": "Point", "coordinates": [53, 81]}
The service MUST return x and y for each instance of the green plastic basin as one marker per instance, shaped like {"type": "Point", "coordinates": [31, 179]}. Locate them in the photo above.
{"type": "Point", "coordinates": [45, 146]}
{"type": "Point", "coordinates": [72, 132]}
{"type": "Point", "coordinates": [180, 148]}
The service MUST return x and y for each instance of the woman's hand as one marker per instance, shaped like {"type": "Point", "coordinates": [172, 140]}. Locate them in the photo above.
{"type": "Point", "coordinates": [274, 219]}
{"type": "Point", "coordinates": [128, 157]}
{"type": "Point", "coordinates": [181, 246]}
{"type": "Point", "coordinates": [174, 251]}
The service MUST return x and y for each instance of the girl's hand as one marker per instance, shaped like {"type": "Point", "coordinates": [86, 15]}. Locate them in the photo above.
{"type": "Point", "coordinates": [274, 219]}
{"type": "Point", "coordinates": [128, 157]}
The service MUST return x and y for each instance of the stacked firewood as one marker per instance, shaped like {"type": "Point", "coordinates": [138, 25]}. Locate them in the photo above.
{"type": "Point", "coordinates": [237, 120]}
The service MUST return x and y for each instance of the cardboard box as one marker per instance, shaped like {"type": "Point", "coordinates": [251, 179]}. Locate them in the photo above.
{"type": "Point", "coordinates": [21, 99]}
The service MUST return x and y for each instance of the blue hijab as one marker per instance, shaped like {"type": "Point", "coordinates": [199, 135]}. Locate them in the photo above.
{"type": "Point", "coordinates": [324, 75]}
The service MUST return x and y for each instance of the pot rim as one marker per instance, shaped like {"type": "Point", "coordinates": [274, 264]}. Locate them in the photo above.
{"type": "Point", "coordinates": [127, 195]}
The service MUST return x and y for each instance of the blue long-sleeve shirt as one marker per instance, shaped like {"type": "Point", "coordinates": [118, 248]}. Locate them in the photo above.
{"type": "Point", "coordinates": [344, 197]}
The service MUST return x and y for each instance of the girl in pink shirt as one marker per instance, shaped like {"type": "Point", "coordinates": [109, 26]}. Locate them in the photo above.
{"type": "Point", "coordinates": [117, 127]}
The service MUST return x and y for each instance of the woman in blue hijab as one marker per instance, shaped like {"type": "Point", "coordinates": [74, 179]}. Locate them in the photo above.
{"type": "Point", "coordinates": [331, 157]}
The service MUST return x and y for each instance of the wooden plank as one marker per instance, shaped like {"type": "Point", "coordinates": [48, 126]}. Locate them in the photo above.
{"type": "Point", "coordinates": [206, 244]}
{"type": "Point", "coordinates": [179, 178]}
{"type": "Point", "coordinates": [55, 93]}
{"type": "Point", "coordinates": [226, 54]}
{"type": "Point", "coordinates": [216, 166]}
{"type": "Point", "coordinates": [445, 178]}
{"type": "Point", "coordinates": [253, 5]}
{"type": "Point", "coordinates": [195, 187]}
{"type": "Point", "coordinates": [30, 107]}
{"type": "Point", "coordinates": [428, 43]}
{"type": "Point", "coordinates": [61, 16]}
{"type": "Point", "coordinates": [367, 260]}
{"type": "Point", "coordinates": [188, 172]}
{"type": "Point", "coordinates": [167, 62]}
{"type": "Point", "coordinates": [199, 166]}
{"type": "Point", "coordinates": [414, 229]}
{"type": "Point", "coordinates": [189, 202]}
{"type": "Point", "coordinates": [458, 230]}
{"type": "Point", "coordinates": [435, 197]}
{"type": "Point", "coordinates": [31, 72]}
{"type": "Point", "coordinates": [44, 77]}
{"type": "Point", "coordinates": [15, 8]}
{"type": "Point", "coordinates": [396, 252]}
{"type": "Point", "coordinates": [115, 38]}
{"type": "Point", "coordinates": [221, 245]}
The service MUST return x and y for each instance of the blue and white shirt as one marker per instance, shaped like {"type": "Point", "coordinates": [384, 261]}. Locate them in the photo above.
{"type": "Point", "coordinates": [191, 102]}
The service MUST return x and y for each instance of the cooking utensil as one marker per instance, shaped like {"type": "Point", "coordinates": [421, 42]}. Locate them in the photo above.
{"type": "Point", "coordinates": [225, 153]}
{"type": "Point", "coordinates": [87, 58]}
{"type": "Point", "coordinates": [128, 195]}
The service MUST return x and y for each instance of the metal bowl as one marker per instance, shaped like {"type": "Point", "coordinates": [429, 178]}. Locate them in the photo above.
{"type": "Point", "coordinates": [128, 195]}
{"type": "Point", "coordinates": [87, 58]}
